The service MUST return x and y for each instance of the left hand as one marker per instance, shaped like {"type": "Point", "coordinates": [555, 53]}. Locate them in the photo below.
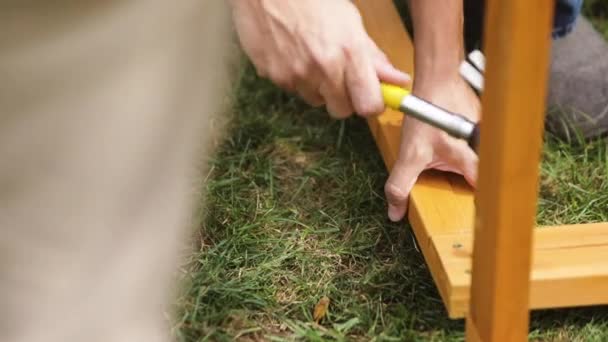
{"type": "Point", "coordinates": [425, 147]}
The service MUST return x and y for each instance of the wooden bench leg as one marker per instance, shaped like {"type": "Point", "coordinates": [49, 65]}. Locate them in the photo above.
{"type": "Point", "coordinates": [517, 46]}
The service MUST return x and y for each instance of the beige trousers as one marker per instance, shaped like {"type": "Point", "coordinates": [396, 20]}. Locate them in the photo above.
{"type": "Point", "coordinates": [104, 107]}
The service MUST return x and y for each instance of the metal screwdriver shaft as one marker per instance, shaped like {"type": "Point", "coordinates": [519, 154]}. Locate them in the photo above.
{"type": "Point", "coordinates": [454, 124]}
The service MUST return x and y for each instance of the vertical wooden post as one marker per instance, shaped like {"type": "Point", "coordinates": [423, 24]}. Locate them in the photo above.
{"type": "Point", "coordinates": [517, 42]}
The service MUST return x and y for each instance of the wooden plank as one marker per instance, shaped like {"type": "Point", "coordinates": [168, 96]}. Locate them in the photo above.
{"type": "Point", "coordinates": [472, 332]}
{"type": "Point", "coordinates": [440, 202]}
{"type": "Point", "coordinates": [517, 45]}
{"type": "Point", "coordinates": [388, 126]}
{"type": "Point", "coordinates": [442, 210]}
{"type": "Point", "coordinates": [568, 269]}
{"type": "Point", "coordinates": [384, 25]}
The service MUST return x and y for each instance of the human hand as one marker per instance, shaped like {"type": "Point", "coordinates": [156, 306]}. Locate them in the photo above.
{"type": "Point", "coordinates": [318, 49]}
{"type": "Point", "coordinates": [425, 147]}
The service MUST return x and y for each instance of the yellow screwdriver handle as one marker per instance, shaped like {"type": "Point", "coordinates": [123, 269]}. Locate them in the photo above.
{"type": "Point", "coordinates": [393, 95]}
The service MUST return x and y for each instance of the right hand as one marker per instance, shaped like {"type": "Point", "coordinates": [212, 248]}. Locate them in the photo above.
{"type": "Point", "coordinates": [303, 47]}
{"type": "Point", "coordinates": [425, 147]}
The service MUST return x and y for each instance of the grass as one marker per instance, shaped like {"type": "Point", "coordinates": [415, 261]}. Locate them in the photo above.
{"type": "Point", "coordinates": [295, 211]}
{"type": "Point", "coordinates": [574, 182]}
{"type": "Point", "coordinates": [574, 174]}
{"type": "Point", "coordinates": [597, 11]}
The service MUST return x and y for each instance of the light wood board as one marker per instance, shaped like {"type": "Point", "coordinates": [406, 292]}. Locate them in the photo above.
{"type": "Point", "coordinates": [442, 208]}
{"type": "Point", "coordinates": [569, 267]}
{"type": "Point", "coordinates": [517, 43]}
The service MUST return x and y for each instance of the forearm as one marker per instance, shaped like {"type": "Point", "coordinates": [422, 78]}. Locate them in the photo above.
{"type": "Point", "coordinates": [438, 40]}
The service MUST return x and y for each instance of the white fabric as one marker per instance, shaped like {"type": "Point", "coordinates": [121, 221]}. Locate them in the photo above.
{"type": "Point", "coordinates": [103, 108]}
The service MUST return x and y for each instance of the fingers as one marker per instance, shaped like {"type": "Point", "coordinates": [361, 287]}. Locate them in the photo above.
{"type": "Point", "coordinates": [467, 164]}
{"type": "Point", "coordinates": [310, 95]}
{"type": "Point", "coordinates": [386, 71]}
{"type": "Point", "coordinates": [346, 81]}
{"type": "Point", "coordinates": [307, 87]}
{"type": "Point", "coordinates": [456, 156]}
{"type": "Point", "coordinates": [412, 161]}
{"type": "Point", "coordinates": [414, 158]}
{"type": "Point", "coordinates": [389, 74]}
{"type": "Point", "coordinates": [337, 99]}
{"type": "Point", "coordinates": [363, 84]}
{"type": "Point", "coordinates": [367, 67]}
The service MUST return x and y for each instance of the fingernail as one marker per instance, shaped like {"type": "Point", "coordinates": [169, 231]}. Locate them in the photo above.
{"type": "Point", "coordinates": [394, 214]}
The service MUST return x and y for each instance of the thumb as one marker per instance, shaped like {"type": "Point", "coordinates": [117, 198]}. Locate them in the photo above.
{"type": "Point", "coordinates": [403, 176]}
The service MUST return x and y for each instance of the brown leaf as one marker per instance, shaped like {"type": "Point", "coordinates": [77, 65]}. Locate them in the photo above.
{"type": "Point", "coordinates": [320, 309]}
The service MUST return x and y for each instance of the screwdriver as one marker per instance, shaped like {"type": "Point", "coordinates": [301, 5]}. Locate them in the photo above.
{"type": "Point", "coordinates": [455, 125]}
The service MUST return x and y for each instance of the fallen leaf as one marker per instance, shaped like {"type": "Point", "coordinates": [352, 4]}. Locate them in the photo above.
{"type": "Point", "coordinates": [320, 309]}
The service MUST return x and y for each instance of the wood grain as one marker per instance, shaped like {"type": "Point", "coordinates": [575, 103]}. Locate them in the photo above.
{"type": "Point", "coordinates": [568, 269]}
{"type": "Point", "coordinates": [441, 213]}
{"type": "Point", "coordinates": [517, 41]}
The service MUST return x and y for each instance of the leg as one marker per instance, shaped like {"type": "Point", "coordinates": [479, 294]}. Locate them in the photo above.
{"type": "Point", "coordinates": [578, 91]}
{"type": "Point", "coordinates": [579, 87]}
{"type": "Point", "coordinates": [102, 109]}
{"type": "Point", "coordinates": [518, 42]}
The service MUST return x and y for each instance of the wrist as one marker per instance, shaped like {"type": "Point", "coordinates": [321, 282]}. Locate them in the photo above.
{"type": "Point", "coordinates": [437, 58]}
{"type": "Point", "coordinates": [438, 39]}
{"type": "Point", "coordinates": [425, 87]}
{"type": "Point", "coordinates": [435, 70]}
{"type": "Point", "coordinates": [426, 82]}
